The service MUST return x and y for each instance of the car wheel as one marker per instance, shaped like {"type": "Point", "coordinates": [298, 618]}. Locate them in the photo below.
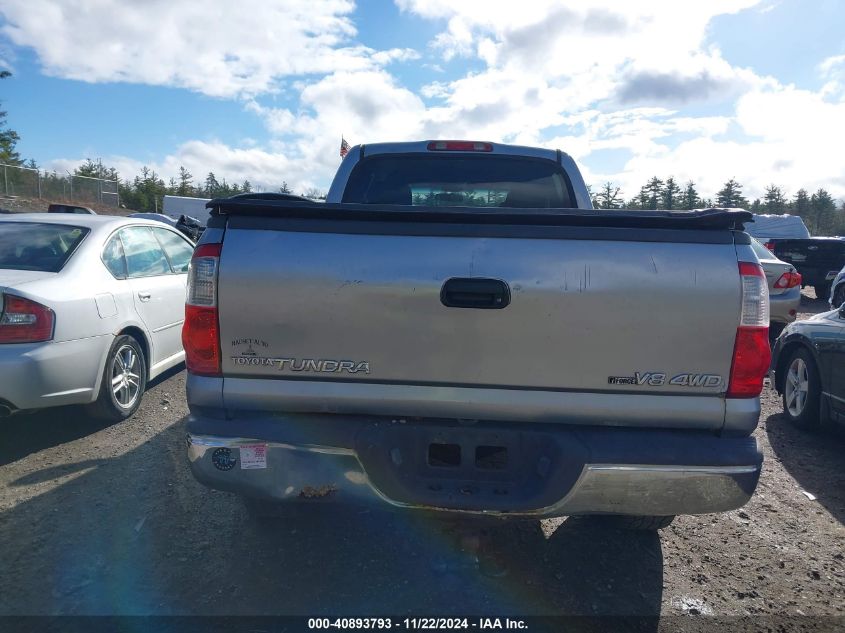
{"type": "Point", "coordinates": [801, 390]}
{"type": "Point", "coordinates": [124, 381]}
{"type": "Point", "coordinates": [822, 291]}
{"type": "Point", "coordinates": [839, 296]}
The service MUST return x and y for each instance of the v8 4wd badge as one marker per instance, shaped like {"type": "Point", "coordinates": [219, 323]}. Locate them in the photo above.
{"type": "Point", "coordinates": [659, 379]}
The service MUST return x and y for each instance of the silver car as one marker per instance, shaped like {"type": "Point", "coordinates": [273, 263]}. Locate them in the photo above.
{"type": "Point", "coordinates": [784, 288]}
{"type": "Point", "coordinates": [91, 308]}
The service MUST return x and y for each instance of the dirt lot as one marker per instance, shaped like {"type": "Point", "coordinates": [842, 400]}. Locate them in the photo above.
{"type": "Point", "coordinates": [107, 520]}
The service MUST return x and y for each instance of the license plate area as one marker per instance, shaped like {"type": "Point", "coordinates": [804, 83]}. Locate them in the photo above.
{"type": "Point", "coordinates": [451, 456]}
{"type": "Point", "coordinates": [491, 457]}
{"type": "Point", "coordinates": [444, 455]}
{"type": "Point", "coordinates": [470, 467]}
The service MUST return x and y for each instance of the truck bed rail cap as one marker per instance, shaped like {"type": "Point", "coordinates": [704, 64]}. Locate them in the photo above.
{"type": "Point", "coordinates": [286, 206]}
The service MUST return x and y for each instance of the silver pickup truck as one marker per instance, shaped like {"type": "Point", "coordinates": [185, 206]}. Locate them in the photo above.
{"type": "Point", "coordinates": [457, 329]}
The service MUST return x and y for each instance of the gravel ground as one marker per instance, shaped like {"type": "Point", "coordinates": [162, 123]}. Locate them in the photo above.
{"type": "Point", "coordinates": [101, 519]}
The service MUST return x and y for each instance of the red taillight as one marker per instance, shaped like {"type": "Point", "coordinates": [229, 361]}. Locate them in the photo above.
{"type": "Point", "coordinates": [25, 321]}
{"type": "Point", "coordinates": [788, 280]}
{"type": "Point", "coordinates": [201, 340]}
{"type": "Point", "coordinates": [770, 246]}
{"type": "Point", "coordinates": [752, 354]}
{"type": "Point", "coordinates": [201, 331]}
{"type": "Point", "coordinates": [459, 146]}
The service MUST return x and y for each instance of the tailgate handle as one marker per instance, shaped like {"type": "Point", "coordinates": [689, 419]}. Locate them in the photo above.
{"type": "Point", "coordinates": [490, 294]}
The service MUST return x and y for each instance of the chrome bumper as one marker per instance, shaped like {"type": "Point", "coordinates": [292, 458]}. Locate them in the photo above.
{"type": "Point", "coordinates": [312, 472]}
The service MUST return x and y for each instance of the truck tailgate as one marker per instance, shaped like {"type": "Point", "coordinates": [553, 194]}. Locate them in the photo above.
{"type": "Point", "coordinates": [598, 312]}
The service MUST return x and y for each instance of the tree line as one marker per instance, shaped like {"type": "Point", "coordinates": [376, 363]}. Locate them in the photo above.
{"type": "Point", "coordinates": [145, 192]}
{"type": "Point", "coordinates": [818, 210]}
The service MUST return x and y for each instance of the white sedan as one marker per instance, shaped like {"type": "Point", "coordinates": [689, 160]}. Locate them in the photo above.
{"type": "Point", "coordinates": [91, 309]}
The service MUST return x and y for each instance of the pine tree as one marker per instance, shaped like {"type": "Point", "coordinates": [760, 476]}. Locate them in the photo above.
{"type": "Point", "coordinates": [800, 204]}
{"type": "Point", "coordinates": [284, 188]}
{"type": "Point", "coordinates": [246, 186]}
{"type": "Point", "coordinates": [185, 186]}
{"type": "Point", "coordinates": [671, 194]}
{"type": "Point", "coordinates": [690, 199]}
{"type": "Point", "coordinates": [654, 188]}
{"type": "Point", "coordinates": [731, 195]}
{"type": "Point", "coordinates": [823, 210]}
{"type": "Point", "coordinates": [643, 198]}
{"type": "Point", "coordinates": [608, 197]}
{"type": "Point", "coordinates": [8, 137]}
{"type": "Point", "coordinates": [88, 169]}
{"type": "Point", "coordinates": [775, 200]}
{"type": "Point", "coordinates": [211, 185]}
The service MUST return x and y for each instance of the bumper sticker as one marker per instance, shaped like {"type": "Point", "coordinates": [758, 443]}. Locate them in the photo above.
{"type": "Point", "coordinates": [222, 459]}
{"type": "Point", "coordinates": [253, 456]}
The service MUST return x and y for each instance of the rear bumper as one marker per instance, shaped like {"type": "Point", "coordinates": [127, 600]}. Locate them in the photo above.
{"type": "Point", "coordinates": [549, 472]}
{"type": "Point", "coordinates": [783, 307]}
{"type": "Point", "coordinates": [50, 374]}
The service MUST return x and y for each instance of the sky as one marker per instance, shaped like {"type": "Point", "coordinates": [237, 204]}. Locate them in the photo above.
{"type": "Point", "coordinates": [264, 89]}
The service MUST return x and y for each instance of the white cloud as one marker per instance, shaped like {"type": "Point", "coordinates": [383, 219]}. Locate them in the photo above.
{"type": "Point", "coordinates": [222, 49]}
{"type": "Point", "coordinates": [792, 138]}
{"type": "Point", "coordinates": [590, 65]}
{"type": "Point", "coordinates": [832, 69]}
{"type": "Point", "coordinates": [599, 75]}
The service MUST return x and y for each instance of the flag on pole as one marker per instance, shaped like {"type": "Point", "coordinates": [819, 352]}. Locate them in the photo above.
{"type": "Point", "coordinates": [344, 147]}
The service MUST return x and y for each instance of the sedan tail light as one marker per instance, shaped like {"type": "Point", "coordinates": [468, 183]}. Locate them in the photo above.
{"type": "Point", "coordinates": [788, 280]}
{"type": "Point", "coordinates": [770, 246]}
{"type": "Point", "coordinates": [752, 354]}
{"type": "Point", "coordinates": [25, 321]}
{"type": "Point", "coordinates": [201, 331]}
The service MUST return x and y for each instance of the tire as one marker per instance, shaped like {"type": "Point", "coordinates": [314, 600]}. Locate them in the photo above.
{"type": "Point", "coordinates": [801, 390]}
{"type": "Point", "coordinates": [839, 296]}
{"type": "Point", "coordinates": [822, 291]}
{"type": "Point", "coordinates": [125, 361]}
{"type": "Point", "coordinates": [631, 522]}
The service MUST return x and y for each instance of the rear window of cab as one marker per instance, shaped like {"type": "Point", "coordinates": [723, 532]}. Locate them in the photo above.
{"type": "Point", "coordinates": [464, 180]}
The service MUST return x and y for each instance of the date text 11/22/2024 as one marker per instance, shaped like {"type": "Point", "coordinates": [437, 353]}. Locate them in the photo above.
{"type": "Point", "coordinates": [425, 623]}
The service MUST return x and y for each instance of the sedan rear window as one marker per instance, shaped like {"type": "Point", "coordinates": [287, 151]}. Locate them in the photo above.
{"type": "Point", "coordinates": [459, 181]}
{"type": "Point", "coordinates": [761, 251]}
{"type": "Point", "coordinates": [36, 246]}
